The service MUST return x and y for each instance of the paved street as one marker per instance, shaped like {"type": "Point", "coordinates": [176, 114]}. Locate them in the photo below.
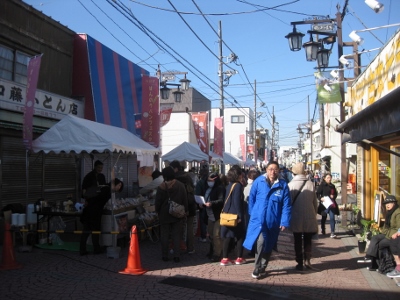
{"type": "Point", "coordinates": [58, 274]}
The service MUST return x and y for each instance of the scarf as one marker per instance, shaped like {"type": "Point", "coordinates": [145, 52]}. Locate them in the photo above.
{"type": "Point", "coordinates": [389, 215]}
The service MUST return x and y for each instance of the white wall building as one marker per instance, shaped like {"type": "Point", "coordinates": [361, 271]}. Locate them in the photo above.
{"type": "Point", "coordinates": [237, 121]}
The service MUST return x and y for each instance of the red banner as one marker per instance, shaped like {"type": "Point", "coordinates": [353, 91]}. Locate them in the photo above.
{"type": "Point", "coordinates": [150, 121]}
{"type": "Point", "coordinates": [165, 113]}
{"type": "Point", "coordinates": [242, 146]}
{"type": "Point", "coordinates": [200, 123]}
{"type": "Point", "coordinates": [32, 79]}
{"type": "Point", "coordinates": [218, 136]}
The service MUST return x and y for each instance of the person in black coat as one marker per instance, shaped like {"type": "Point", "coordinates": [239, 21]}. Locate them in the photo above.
{"type": "Point", "coordinates": [214, 198]}
{"type": "Point", "coordinates": [93, 180]}
{"type": "Point", "coordinates": [174, 190]}
{"type": "Point", "coordinates": [200, 190]}
{"type": "Point", "coordinates": [327, 189]}
{"type": "Point", "coordinates": [92, 212]}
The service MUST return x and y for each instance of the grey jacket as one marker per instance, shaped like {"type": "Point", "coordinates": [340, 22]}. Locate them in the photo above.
{"type": "Point", "coordinates": [304, 209]}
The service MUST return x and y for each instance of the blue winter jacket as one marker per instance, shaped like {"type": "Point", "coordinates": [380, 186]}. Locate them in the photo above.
{"type": "Point", "coordinates": [269, 208]}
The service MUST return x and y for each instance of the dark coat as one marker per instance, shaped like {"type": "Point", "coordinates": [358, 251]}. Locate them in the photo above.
{"type": "Point", "coordinates": [175, 190]}
{"type": "Point", "coordinates": [93, 209]}
{"type": "Point", "coordinates": [216, 198]}
{"type": "Point", "coordinates": [325, 189]}
{"type": "Point", "coordinates": [234, 205]}
{"type": "Point", "coordinates": [186, 179]}
{"type": "Point", "coordinates": [93, 179]}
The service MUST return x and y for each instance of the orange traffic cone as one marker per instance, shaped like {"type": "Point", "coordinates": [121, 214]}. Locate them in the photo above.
{"type": "Point", "coordinates": [133, 266]}
{"type": "Point", "coordinates": [8, 262]}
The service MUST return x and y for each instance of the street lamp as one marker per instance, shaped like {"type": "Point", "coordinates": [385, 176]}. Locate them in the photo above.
{"type": "Point", "coordinates": [295, 39]}
{"type": "Point", "coordinates": [326, 24]}
{"type": "Point", "coordinates": [168, 76]}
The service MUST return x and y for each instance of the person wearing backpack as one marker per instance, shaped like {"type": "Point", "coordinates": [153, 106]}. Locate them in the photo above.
{"type": "Point", "coordinates": [186, 179]}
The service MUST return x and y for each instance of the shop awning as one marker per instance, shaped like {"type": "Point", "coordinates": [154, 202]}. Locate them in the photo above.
{"type": "Point", "coordinates": [378, 119]}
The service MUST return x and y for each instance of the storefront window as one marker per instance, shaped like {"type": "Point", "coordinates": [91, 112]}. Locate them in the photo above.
{"type": "Point", "coordinates": [396, 173]}
{"type": "Point", "coordinates": [384, 170]}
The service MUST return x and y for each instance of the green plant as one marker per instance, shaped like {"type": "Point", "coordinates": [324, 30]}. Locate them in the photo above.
{"type": "Point", "coordinates": [366, 229]}
{"type": "Point", "coordinates": [356, 210]}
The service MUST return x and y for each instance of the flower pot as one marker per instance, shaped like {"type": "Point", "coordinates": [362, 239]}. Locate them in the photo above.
{"type": "Point", "coordinates": [361, 246]}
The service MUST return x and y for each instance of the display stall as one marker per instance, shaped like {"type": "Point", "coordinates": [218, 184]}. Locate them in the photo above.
{"type": "Point", "coordinates": [73, 135]}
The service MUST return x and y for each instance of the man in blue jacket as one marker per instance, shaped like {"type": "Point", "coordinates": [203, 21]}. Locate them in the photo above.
{"type": "Point", "coordinates": [270, 212]}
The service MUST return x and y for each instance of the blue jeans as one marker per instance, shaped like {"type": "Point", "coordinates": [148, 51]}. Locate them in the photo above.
{"type": "Point", "coordinates": [331, 220]}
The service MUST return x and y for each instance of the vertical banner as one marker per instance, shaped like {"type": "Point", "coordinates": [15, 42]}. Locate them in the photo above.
{"type": "Point", "coordinates": [150, 121]}
{"type": "Point", "coordinates": [218, 136]}
{"type": "Point", "coordinates": [32, 79]}
{"type": "Point", "coordinates": [266, 156]}
{"type": "Point", "coordinates": [328, 89]}
{"type": "Point", "coordinates": [165, 113]}
{"type": "Point", "coordinates": [243, 146]}
{"type": "Point", "coordinates": [200, 124]}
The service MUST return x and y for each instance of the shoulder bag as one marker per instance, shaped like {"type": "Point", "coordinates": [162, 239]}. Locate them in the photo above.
{"type": "Point", "coordinates": [298, 192]}
{"type": "Point", "coordinates": [175, 209]}
{"type": "Point", "coordinates": [227, 219]}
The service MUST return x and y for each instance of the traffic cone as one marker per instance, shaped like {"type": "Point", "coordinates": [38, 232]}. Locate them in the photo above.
{"type": "Point", "coordinates": [133, 266]}
{"type": "Point", "coordinates": [8, 261]}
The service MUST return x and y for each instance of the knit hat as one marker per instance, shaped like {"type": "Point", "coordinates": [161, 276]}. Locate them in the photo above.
{"type": "Point", "coordinates": [298, 168]}
{"type": "Point", "coordinates": [389, 199]}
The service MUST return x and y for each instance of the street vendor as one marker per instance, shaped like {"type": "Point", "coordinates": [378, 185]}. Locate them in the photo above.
{"type": "Point", "coordinates": [154, 184]}
{"type": "Point", "coordinates": [93, 180]}
{"type": "Point", "coordinates": [92, 212]}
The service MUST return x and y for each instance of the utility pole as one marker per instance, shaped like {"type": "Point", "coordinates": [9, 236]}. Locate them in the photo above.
{"type": "Point", "coordinates": [221, 93]}
{"type": "Point", "coordinates": [272, 136]}
{"type": "Point", "coordinates": [255, 123]}
{"type": "Point", "coordinates": [311, 134]}
{"type": "Point", "coordinates": [343, 165]}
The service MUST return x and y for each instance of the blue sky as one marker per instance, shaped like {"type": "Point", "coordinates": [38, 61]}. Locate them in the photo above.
{"type": "Point", "coordinates": [179, 38]}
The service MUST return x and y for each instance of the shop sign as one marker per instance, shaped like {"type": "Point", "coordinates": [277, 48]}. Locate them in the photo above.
{"type": "Point", "coordinates": [48, 105]}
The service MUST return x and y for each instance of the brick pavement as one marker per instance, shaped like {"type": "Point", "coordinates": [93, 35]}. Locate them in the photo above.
{"type": "Point", "coordinates": [66, 275]}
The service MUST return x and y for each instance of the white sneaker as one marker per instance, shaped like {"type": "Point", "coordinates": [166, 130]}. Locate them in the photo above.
{"type": "Point", "coordinates": [365, 260]}
{"type": "Point", "coordinates": [333, 235]}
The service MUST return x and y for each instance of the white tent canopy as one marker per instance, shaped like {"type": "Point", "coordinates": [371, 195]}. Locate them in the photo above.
{"type": "Point", "coordinates": [186, 152]}
{"type": "Point", "coordinates": [228, 159]}
{"type": "Point", "coordinates": [73, 134]}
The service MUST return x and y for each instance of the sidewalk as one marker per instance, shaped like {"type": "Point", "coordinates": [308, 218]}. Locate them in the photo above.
{"type": "Point", "coordinates": [66, 275]}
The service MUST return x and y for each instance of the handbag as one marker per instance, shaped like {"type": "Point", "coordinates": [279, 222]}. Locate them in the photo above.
{"type": "Point", "coordinates": [175, 209]}
{"type": "Point", "coordinates": [228, 219]}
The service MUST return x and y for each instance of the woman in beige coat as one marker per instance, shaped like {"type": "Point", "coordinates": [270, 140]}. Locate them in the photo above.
{"type": "Point", "coordinates": [304, 215]}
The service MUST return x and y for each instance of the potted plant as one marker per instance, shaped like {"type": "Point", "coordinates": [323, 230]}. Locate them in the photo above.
{"type": "Point", "coordinates": [365, 234]}
{"type": "Point", "coordinates": [356, 210]}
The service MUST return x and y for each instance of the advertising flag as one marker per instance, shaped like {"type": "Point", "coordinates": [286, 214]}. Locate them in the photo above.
{"type": "Point", "coordinates": [328, 88]}
{"type": "Point", "coordinates": [218, 136]}
{"type": "Point", "coordinates": [150, 120]}
{"type": "Point", "coordinates": [242, 146]}
{"type": "Point", "coordinates": [32, 79]}
{"type": "Point", "coordinates": [165, 113]}
{"type": "Point", "coordinates": [200, 123]}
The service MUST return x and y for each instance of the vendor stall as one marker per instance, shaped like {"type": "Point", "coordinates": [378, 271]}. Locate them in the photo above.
{"type": "Point", "coordinates": [73, 135]}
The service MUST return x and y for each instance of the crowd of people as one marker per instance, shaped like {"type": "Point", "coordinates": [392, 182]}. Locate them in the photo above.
{"type": "Point", "coordinates": [264, 204]}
